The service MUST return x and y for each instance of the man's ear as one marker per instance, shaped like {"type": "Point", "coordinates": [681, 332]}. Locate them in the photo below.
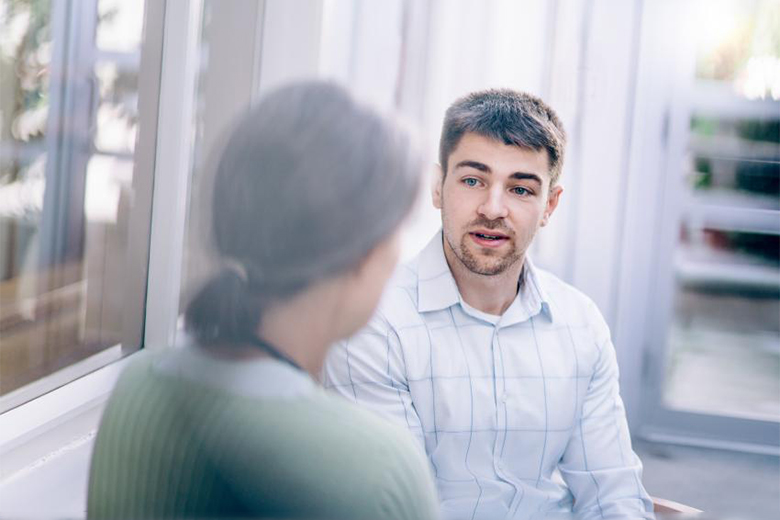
{"type": "Point", "coordinates": [437, 185]}
{"type": "Point", "coordinates": [552, 202]}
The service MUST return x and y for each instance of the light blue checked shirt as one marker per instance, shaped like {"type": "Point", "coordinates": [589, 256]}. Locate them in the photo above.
{"type": "Point", "coordinates": [519, 415]}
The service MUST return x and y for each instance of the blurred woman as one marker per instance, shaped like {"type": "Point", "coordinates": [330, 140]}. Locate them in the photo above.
{"type": "Point", "coordinates": [309, 193]}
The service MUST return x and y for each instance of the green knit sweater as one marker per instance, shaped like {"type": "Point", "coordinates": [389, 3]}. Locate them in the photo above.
{"type": "Point", "coordinates": [183, 439]}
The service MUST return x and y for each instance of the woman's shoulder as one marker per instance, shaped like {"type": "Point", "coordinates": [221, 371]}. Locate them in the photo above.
{"type": "Point", "coordinates": [330, 420]}
{"type": "Point", "coordinates": [347, 459]}
{"type": "Point", "coordinates": [357, 455]}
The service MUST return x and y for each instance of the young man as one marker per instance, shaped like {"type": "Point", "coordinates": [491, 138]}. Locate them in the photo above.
{"type": "Point", "coordinates": [506, 375]}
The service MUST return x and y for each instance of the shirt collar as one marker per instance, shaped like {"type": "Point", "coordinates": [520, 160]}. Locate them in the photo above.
{"type": "Point", "coordinates": [437, 290]}
{"type": "Point", "coordinates": [532, 292]}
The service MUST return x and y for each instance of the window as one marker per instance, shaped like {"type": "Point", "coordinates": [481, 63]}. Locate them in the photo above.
{"type": "Point", "coordinates": [74, 203]}
{"type": "Point", "coordinates": [723, 339]}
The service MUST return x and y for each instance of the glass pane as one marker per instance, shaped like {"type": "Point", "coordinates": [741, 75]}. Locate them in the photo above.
{"type": "Point", "coordinates": [117, 112]}
{"type": "Point", "coordinates": [67, 134]}
{"type": "Point", "coordinates": [723, 342]}
{"type": "Point", "coordinates": [739, 44]}
{"type": "Point", "coordinates": [737, 157]}
{"type": "Point", "coordinates": [724, 338]}
{"type": "Point", "coordinates": [119, 26]}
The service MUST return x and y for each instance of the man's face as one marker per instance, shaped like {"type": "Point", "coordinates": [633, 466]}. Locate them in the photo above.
{"type": "Point", "coordinates": [493, 200]}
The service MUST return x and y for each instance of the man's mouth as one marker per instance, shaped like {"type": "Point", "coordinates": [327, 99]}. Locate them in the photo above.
{"type": "Point", "coordinates": [489, 239]}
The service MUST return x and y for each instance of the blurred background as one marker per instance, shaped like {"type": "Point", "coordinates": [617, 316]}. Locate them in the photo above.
{"type": "Point", "coordinates": [670, 219]}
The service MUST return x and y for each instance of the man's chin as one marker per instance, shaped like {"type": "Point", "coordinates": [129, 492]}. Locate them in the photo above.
{"type": "Point", "coordinates": [487, 264]}
{"type": "Point", "coordinates": [490, 270]}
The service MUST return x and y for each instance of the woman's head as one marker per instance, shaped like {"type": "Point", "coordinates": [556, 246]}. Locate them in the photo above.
{"type": "Point", "coordinates": [309, 185]}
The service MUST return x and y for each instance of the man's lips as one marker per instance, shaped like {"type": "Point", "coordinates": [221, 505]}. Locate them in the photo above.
{"type": "Point", "coordinates": [488, 238]}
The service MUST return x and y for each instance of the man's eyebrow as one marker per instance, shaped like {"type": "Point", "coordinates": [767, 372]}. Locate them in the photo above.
{"type": "Point", "coordinates": [485, 168]}
{"type": "Point", "coordinates": [474, 164]}
{"type": "Point", "coordinates": [527, 176]}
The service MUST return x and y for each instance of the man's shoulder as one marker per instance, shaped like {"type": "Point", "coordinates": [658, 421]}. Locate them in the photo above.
{"type": "Point", "coordinates": [398, 305]}
{"type": "Point", "coordinates": [405, 275]}
{"type": "Point", "coordinates": [567, 301]}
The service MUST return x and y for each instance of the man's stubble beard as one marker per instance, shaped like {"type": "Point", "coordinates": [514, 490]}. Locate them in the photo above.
{"type": "Point", "coordinates": [470, 261]}
{"type": "Point", "coordinates": [473, 264]}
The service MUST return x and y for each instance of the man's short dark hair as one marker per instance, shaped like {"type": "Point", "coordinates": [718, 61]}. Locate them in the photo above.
{"type": "Point", "coordinates": [514, 118]}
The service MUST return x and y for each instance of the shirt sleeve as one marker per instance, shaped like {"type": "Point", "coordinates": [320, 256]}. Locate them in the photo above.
{"type": "Point", "coordinates": [599, 465]}
{"type": "Point", "coordinates": [369, 369]}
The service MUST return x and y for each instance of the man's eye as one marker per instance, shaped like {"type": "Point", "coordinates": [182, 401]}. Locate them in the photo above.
{"type": "Point", "coordinates": [470, 182]}
{"type": "Point", "coordinates": [519, 190]}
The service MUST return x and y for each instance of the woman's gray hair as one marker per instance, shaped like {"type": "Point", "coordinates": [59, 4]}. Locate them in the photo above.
{"type": "Point", "coordinates": [308, 182]}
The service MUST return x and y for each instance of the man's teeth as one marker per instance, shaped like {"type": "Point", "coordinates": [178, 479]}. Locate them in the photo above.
{"type": "Point", "coordinates": [489, 237]}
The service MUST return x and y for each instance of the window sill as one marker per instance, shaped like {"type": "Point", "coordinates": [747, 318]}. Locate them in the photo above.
{"type": "Point", "coordinates": [33, 432]}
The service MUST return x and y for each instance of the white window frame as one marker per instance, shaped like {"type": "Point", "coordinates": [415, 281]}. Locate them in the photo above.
{"type": "Point", "coordinates": [645, 285]}
{"type": "Point", "coordinates": [31, 432]}
{"type": "Point", "coordinates": [34, 433]}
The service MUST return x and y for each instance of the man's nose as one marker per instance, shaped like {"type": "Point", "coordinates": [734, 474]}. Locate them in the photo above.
{"type": "Point", "coordinates": [494, 205]}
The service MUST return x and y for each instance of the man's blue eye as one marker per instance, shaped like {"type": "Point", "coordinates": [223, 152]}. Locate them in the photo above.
{"type": "Point", "coordinates": [470, 182]}
{"type": "Point", "coordinates": [519, 190]}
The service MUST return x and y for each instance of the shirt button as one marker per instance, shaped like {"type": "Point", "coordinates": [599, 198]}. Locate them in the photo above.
{"type": "Point", "coordinates": [504, 398]}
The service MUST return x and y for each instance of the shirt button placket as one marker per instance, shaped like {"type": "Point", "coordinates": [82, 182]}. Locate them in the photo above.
{"type": "Point", "coordinates": [500, 422]}
{"type": "Point", "coordinates": [503, 415]}
{"type": "Point", "coordinates": [498, 465]}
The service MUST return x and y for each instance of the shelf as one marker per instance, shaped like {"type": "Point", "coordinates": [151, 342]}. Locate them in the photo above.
{"type": "Point", "coordinates": [710, 269]}
{"type": "Point", "coordinates": [723, 372]}
{"type": "Point", "coordinates": [718, 99]}
{"type": "Point", "coordinates": [731, 213]}
{"type": "Point", "coordinates": [734, 149]}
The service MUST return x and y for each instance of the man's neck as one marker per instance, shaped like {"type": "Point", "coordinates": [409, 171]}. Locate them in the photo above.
{"type": "Point", "coordinates": [489, 294]}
